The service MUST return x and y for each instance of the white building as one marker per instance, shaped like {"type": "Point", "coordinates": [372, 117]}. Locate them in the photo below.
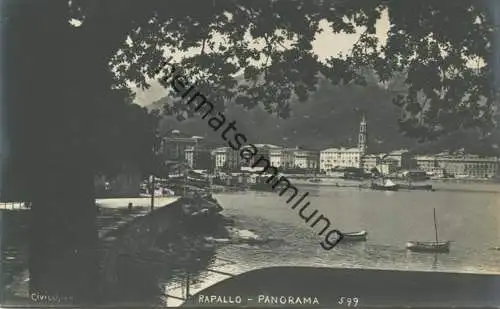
{"type": "Point", "coordinates": [339, 157]}
{"type": "Point", "coordinates": [427, 163]}
{"type": "Point", "coordinates": [388, 166]}
{"type": "Point", "coordinates": [345, 157]}
{"type": "Point", "coordinates": [306, 159]}
{"type": "Point", "coordinates": [226, 158]}
{"type": "Point", "coordinates": [368, 162]}
{"type": "Point", "coordinates": [281, 157]}
{"type": "Point", "coordinates": [263, 150]}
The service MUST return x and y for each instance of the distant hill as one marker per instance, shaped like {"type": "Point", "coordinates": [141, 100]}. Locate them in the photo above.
{"type": "Point", "coordinates": [330, 118]}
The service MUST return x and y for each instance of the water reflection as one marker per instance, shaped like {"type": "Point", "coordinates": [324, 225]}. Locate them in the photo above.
{"type": "Point", "coordinates": [468, 218]}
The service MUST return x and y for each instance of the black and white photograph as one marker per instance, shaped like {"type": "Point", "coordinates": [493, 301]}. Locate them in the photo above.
{"type": "Point", "coordinates": [265, 153]}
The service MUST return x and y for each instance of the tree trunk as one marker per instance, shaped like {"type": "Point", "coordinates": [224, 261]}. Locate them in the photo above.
{"type": "Point", "coordinates": [63, 244]}
{"type": "Point", "coordinates": [50, 117]}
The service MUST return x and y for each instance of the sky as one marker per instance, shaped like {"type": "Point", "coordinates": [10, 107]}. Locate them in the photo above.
{"type": "Point", "coordinates": [326, 44]}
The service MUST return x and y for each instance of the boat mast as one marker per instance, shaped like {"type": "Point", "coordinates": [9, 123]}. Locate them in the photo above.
{"type": "Point", "coordinates": [435, 226]}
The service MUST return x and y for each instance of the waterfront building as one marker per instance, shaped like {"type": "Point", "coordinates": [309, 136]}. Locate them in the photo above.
{"type": "Point", "coordinates": [175, 143]}
{"type": "Point", "coordinates": [282, 158]}
{"type": "Point", "coordinates": [426, 163]}
{"type": "Point", "coordinates": [388, 166]}
{"type": "Point", "coordinates": [437, 172]}
{"type": "Point", "coordinates": [305, 159]}
{"type": "Point", "coordinates": [463, 165]}
{"type": "Point", "coordinates": [198, 157]}
{"type": "Point", "coordinates": [294, 158]}
{"type": "Point", "coordinates": [403, 158]}
{"type": "Point", "coordinates": [332, 158]}
{"type": "Point", "coordinates": [226, 158]}
{"type": "Point", "coordinates": [263, 150]}
{"type": "Point", "coordinates": [368, 162]}
{"type": "Point", "coordinates": [469, 165]}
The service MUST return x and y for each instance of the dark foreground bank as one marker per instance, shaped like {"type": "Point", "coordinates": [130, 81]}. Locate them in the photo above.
{"type": "Point", "coordinates": [137, 258]}
{"type": "Point", "coordinates": [334, 287]}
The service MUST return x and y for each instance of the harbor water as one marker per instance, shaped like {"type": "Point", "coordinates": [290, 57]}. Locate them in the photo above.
{"type": "Point", "coordinates": [467, 214]}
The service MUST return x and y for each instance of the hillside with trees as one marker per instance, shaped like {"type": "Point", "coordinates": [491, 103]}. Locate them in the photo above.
{"type": "Point", "coordinates": [330, 118]}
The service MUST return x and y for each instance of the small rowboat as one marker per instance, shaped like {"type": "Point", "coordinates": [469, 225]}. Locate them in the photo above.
{"type": "Point", "coordinates": [430, 246]}
{"type": "Point", "coordinates": [314, 180]}
{"type": "Point", "coordinates": [355, 236]}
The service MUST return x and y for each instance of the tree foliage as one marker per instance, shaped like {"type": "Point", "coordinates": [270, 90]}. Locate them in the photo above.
{"type": "Point", "coordinates": [437, 43]}
{"type": "Point", "coordinates": [433, 41]}
{"type": "Point", "coordinates": [125, 136]}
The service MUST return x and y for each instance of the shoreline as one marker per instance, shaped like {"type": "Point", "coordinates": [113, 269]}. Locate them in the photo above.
{"type": "Point", "coordinates": [437, 185]}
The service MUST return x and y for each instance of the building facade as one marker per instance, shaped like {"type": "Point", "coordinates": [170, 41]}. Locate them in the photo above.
{"type": "Point", "coordinates": [226, 158]}
{"type": "Point", "coordinates": [333, 158]}
{"type": "Point", "coordinates": [339, 158]}
{"type": "Point", "coordinates": [282, 158]}
{"type": "Point", "coordinates": [175, 143]}
{"type": "Point", "coordinates": [388, 166]}
{"type": "Point", "coordinates": [403, 158]}
{"type": "Point", "coordinates": [469, 165]}
{"type": "Point", "coordinates": [459, 165]}
{"type": "Point", "coordinates": [263, 150]}
{"type": "Point", "coordinates": [426, 163]}
{"type": "Point", "coordinates": [369, 162]}
{"type": "Point", "coordinates": [198, 157]}
{"type": "Point", "coordinates": [306, 159]}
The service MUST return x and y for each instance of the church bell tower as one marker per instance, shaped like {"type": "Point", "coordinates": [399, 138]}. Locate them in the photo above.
{"type": "Point", "coordinates": [362, 136]}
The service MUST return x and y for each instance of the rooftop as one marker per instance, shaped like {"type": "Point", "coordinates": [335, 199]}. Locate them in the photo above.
{"type": "Point", "coordinates": [179, 134]}
{"type": "Point", "coordinates": [266, 146]}
{"type": "Point", "coordinates": [342, 149]}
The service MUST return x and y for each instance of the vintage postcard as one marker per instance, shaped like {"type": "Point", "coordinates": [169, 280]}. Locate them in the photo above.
{"type": "Point", "coordinates": [267, 153]}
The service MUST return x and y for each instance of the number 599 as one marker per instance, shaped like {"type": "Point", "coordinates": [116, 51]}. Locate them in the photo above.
{"type": "Point", "coordinates": [348, 301]}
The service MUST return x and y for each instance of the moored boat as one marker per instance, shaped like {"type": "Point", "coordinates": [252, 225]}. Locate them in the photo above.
{"type": "Point", "coordinates": [355, 236]}
{"type": "Point", "coordinates": [315, 180]}
{"type": "Point", "coordinates": [387, 186]}
{"type": "Point", "coordinates": [429, 246]}
{"type": "Point", "coordinates": [416, 187]}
